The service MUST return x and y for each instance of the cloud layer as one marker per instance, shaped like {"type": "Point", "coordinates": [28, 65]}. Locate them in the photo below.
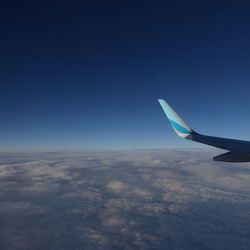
{"type": "Point", "coordinates": [144, 199]}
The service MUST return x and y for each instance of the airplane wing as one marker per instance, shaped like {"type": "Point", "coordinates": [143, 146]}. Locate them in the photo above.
{"type": "Point", "coordinates": [239, 151]}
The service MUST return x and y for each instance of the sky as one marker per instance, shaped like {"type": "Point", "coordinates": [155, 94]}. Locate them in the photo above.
{"type": "Point", "coordinates": [80, 74]}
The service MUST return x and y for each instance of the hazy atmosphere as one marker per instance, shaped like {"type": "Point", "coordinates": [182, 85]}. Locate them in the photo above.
{"type": "Point", "coordinates": [144, 199]}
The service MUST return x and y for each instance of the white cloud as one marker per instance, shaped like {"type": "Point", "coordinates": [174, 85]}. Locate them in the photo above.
{"type": "Point", "coordinates": [117, 186]}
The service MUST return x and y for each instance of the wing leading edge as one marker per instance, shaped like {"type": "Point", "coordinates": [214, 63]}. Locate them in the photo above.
{"type": "Point", "coordinates": [239, 151]}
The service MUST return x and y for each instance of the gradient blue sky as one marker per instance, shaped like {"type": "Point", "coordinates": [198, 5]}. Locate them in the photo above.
{"type": "Point", "coordinates": [88, 75]}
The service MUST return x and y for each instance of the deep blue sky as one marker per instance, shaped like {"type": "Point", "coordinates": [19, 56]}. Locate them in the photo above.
{"type": "Point", "coordinates": [89, 75]}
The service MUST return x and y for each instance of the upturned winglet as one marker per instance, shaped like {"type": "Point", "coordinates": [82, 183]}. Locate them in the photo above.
{"type": "Point", "coordinates": [179, 126]}
{"type": "Point", "coordinates": [239, 151]}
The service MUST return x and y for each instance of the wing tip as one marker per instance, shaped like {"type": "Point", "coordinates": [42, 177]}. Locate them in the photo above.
{"type": "Point", "coordinates": [161, 100]}
{"type": "Point", "coordinates": [180, 127]}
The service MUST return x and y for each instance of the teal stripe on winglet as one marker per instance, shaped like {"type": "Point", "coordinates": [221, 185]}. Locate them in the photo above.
{"type": "Point", "coordinates": [179, 128]}
{"type": "Point", "coordinates": [174, 118]}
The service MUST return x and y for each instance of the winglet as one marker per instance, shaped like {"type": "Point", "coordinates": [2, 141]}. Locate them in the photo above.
{"type": "Point", "coordinates": [180, 127]}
